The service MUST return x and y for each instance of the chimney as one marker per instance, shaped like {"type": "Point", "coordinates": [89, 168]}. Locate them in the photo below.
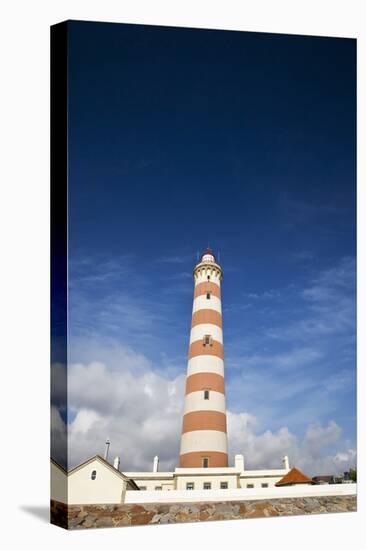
{"type": "Point", "coordinates": [116, 463]}
{"type": "Point", "coordinates": [285, 463]}
{"type": "Point", "coordinates": [239, 462]}
{"type": "Point", "coordinates": [156, 464]}
{"type": "Point", "coordinates": [107, 443]}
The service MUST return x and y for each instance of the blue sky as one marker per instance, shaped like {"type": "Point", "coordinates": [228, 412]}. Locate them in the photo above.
{"type": "Point", "coordinates": [180, 138]}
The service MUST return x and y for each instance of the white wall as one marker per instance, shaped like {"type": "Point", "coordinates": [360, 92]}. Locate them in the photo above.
{"type": "Point", "coordinates": [200, 480]}
{"type": "Point", "coordinates": [108, 487]}
{"type": "Point", "coordinates": [203, 440]}
{"type": "Point", "coordinates": [202, 276]}
{"type": "Point", "coordinates": [257, 481]}
{"type": "Point", "coordinates": [202, 303]}
{"type": "Point", "coordinates": [150, 484]}
{"type": "Point", "coordinates": [199, 331]}
{"type": "Point", "coordinates": [58, 484]}
{"type": "Point", "coordinates": [150, 480]}
{"type": "Point", "coordinates": [195, 401]}
{"type": "Point", "coordinates": [295, 491]}
{"type": "Point", "coordinates": [205, 363]}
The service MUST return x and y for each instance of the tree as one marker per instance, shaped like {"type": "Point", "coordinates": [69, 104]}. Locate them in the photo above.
{"type": "Point", "coordinates": [353, 474]}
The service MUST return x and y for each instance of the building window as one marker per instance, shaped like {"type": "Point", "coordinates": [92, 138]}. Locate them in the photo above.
{"type": "Point", "coordinates": [207, 340]}
{"type": "Point", "coordinates": [205, 462]}
{"type": "Point", "coordinates": [190, 486]}
{"type": "Point", "coordinates": [93, 475]}
{"type": "Point", "coordinates": [250, 486]}
{"type": "Point", "coordinates": [208, 295]}
{"type": "Point", "coordinates": [207, 485]}
{"type": "Point", "coordinates": [223, 485]}
{"type": "Point", "coordinates": [264, 485]}
{"type": "Point", "coordinates": [208, 277]}
{"type": "Point", "coordinates": [206, 394]}
{"type": "Point", "coordinates": [158, 488]}
{"type": "Point", "coordinates": [143, 488]}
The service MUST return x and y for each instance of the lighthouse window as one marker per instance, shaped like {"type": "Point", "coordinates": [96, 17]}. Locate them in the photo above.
{"type": "Point", "coordinates": [208, 277]}
{"type": "Point", "coordinates": [93, 475]}
{"type": "Point", "coordinates": [223, 485]}
{"type": "Point", "coordinates": [189, 486]}
{"type": "Point", "coordinates": [250, 486]}
{"type": "Point", "coordinates": [205, 462]}
{"type": "Point", "coordinates": [208, 295]}
{"type": "Point", "coordinates": [207, 485]}
{"type": "Point", "coordinates": [206, 394]}
{"type": "Point", "coordinates": [264, 485]}
{"type": "Point", "coordinates": [207, 341]}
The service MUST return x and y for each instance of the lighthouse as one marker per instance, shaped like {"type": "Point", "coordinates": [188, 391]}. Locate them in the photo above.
{"type": "Point", "coordinates": [203, 463]}
{"type": "Point", "coordinates": [204, 433]}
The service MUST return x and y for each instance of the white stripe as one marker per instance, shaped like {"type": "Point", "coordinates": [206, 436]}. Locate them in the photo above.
{"type": "Point", "coordinates": [205, 363]}
{"type": "Point", "coordinates": [195, 401]}
{"type": "Point", "coordinates": [202, 277]}
{"type": "Point", "coordinates": [203, 440]}
{"type": "Point", "coordinates": [201, 302]}
{"type": "Point", "coordinates": [199, 331]}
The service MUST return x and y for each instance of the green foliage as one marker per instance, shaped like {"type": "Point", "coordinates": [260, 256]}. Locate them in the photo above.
{"type": "Point", "coordinates": [353, 474]}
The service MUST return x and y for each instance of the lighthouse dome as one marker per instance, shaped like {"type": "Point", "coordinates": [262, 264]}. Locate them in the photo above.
{"type": "Point", "coordinates": [208, 256]}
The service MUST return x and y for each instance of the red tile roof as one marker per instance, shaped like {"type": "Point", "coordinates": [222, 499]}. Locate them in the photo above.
{"type": "Point", "coordinates": [293, 477]}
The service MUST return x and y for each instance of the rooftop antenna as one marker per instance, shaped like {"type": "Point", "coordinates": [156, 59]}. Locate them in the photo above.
{"type": "Point", "coordinates": [107, 443]}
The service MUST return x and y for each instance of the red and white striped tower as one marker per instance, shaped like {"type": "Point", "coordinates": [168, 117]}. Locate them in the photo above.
{"type": "Point", "coordinates": [204, 437]}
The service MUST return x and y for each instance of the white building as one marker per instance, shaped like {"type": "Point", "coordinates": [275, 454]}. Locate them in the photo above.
{"type": "Point", "coordinates": [203, 472]}
{"type": "Point", "coordinates": [191, 479]}
{"type": "Point", "coordinates": [95, 481]}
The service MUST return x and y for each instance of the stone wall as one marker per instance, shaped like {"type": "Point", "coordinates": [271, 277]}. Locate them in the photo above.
{"type": "Point", "coordinates": [119, 515]}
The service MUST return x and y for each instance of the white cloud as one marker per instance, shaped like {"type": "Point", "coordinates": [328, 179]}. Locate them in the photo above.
{"type": "Point", "coordinates": [140, 411]}
{"type": "Point", "coordinates": [141, 414]}
{"type": "Point", "coordinates": [285, 360]}
{"type": "Point", "coordinates": [346, 457]}
{"type": "Point", "coordinates": [328, 306]}
{"type": "Point", "coordinates": [59, 437]}
{"type": "Point", "coordinates": [313, 453]}
{"type": "Point", "coordinates": [266, 295]}
{"type": "Point", "coordinates": [84, 421]}
{"type": "Point", "coordinates": [107, 351]}
{"type": "Point", "coordinates": [317, 437]}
